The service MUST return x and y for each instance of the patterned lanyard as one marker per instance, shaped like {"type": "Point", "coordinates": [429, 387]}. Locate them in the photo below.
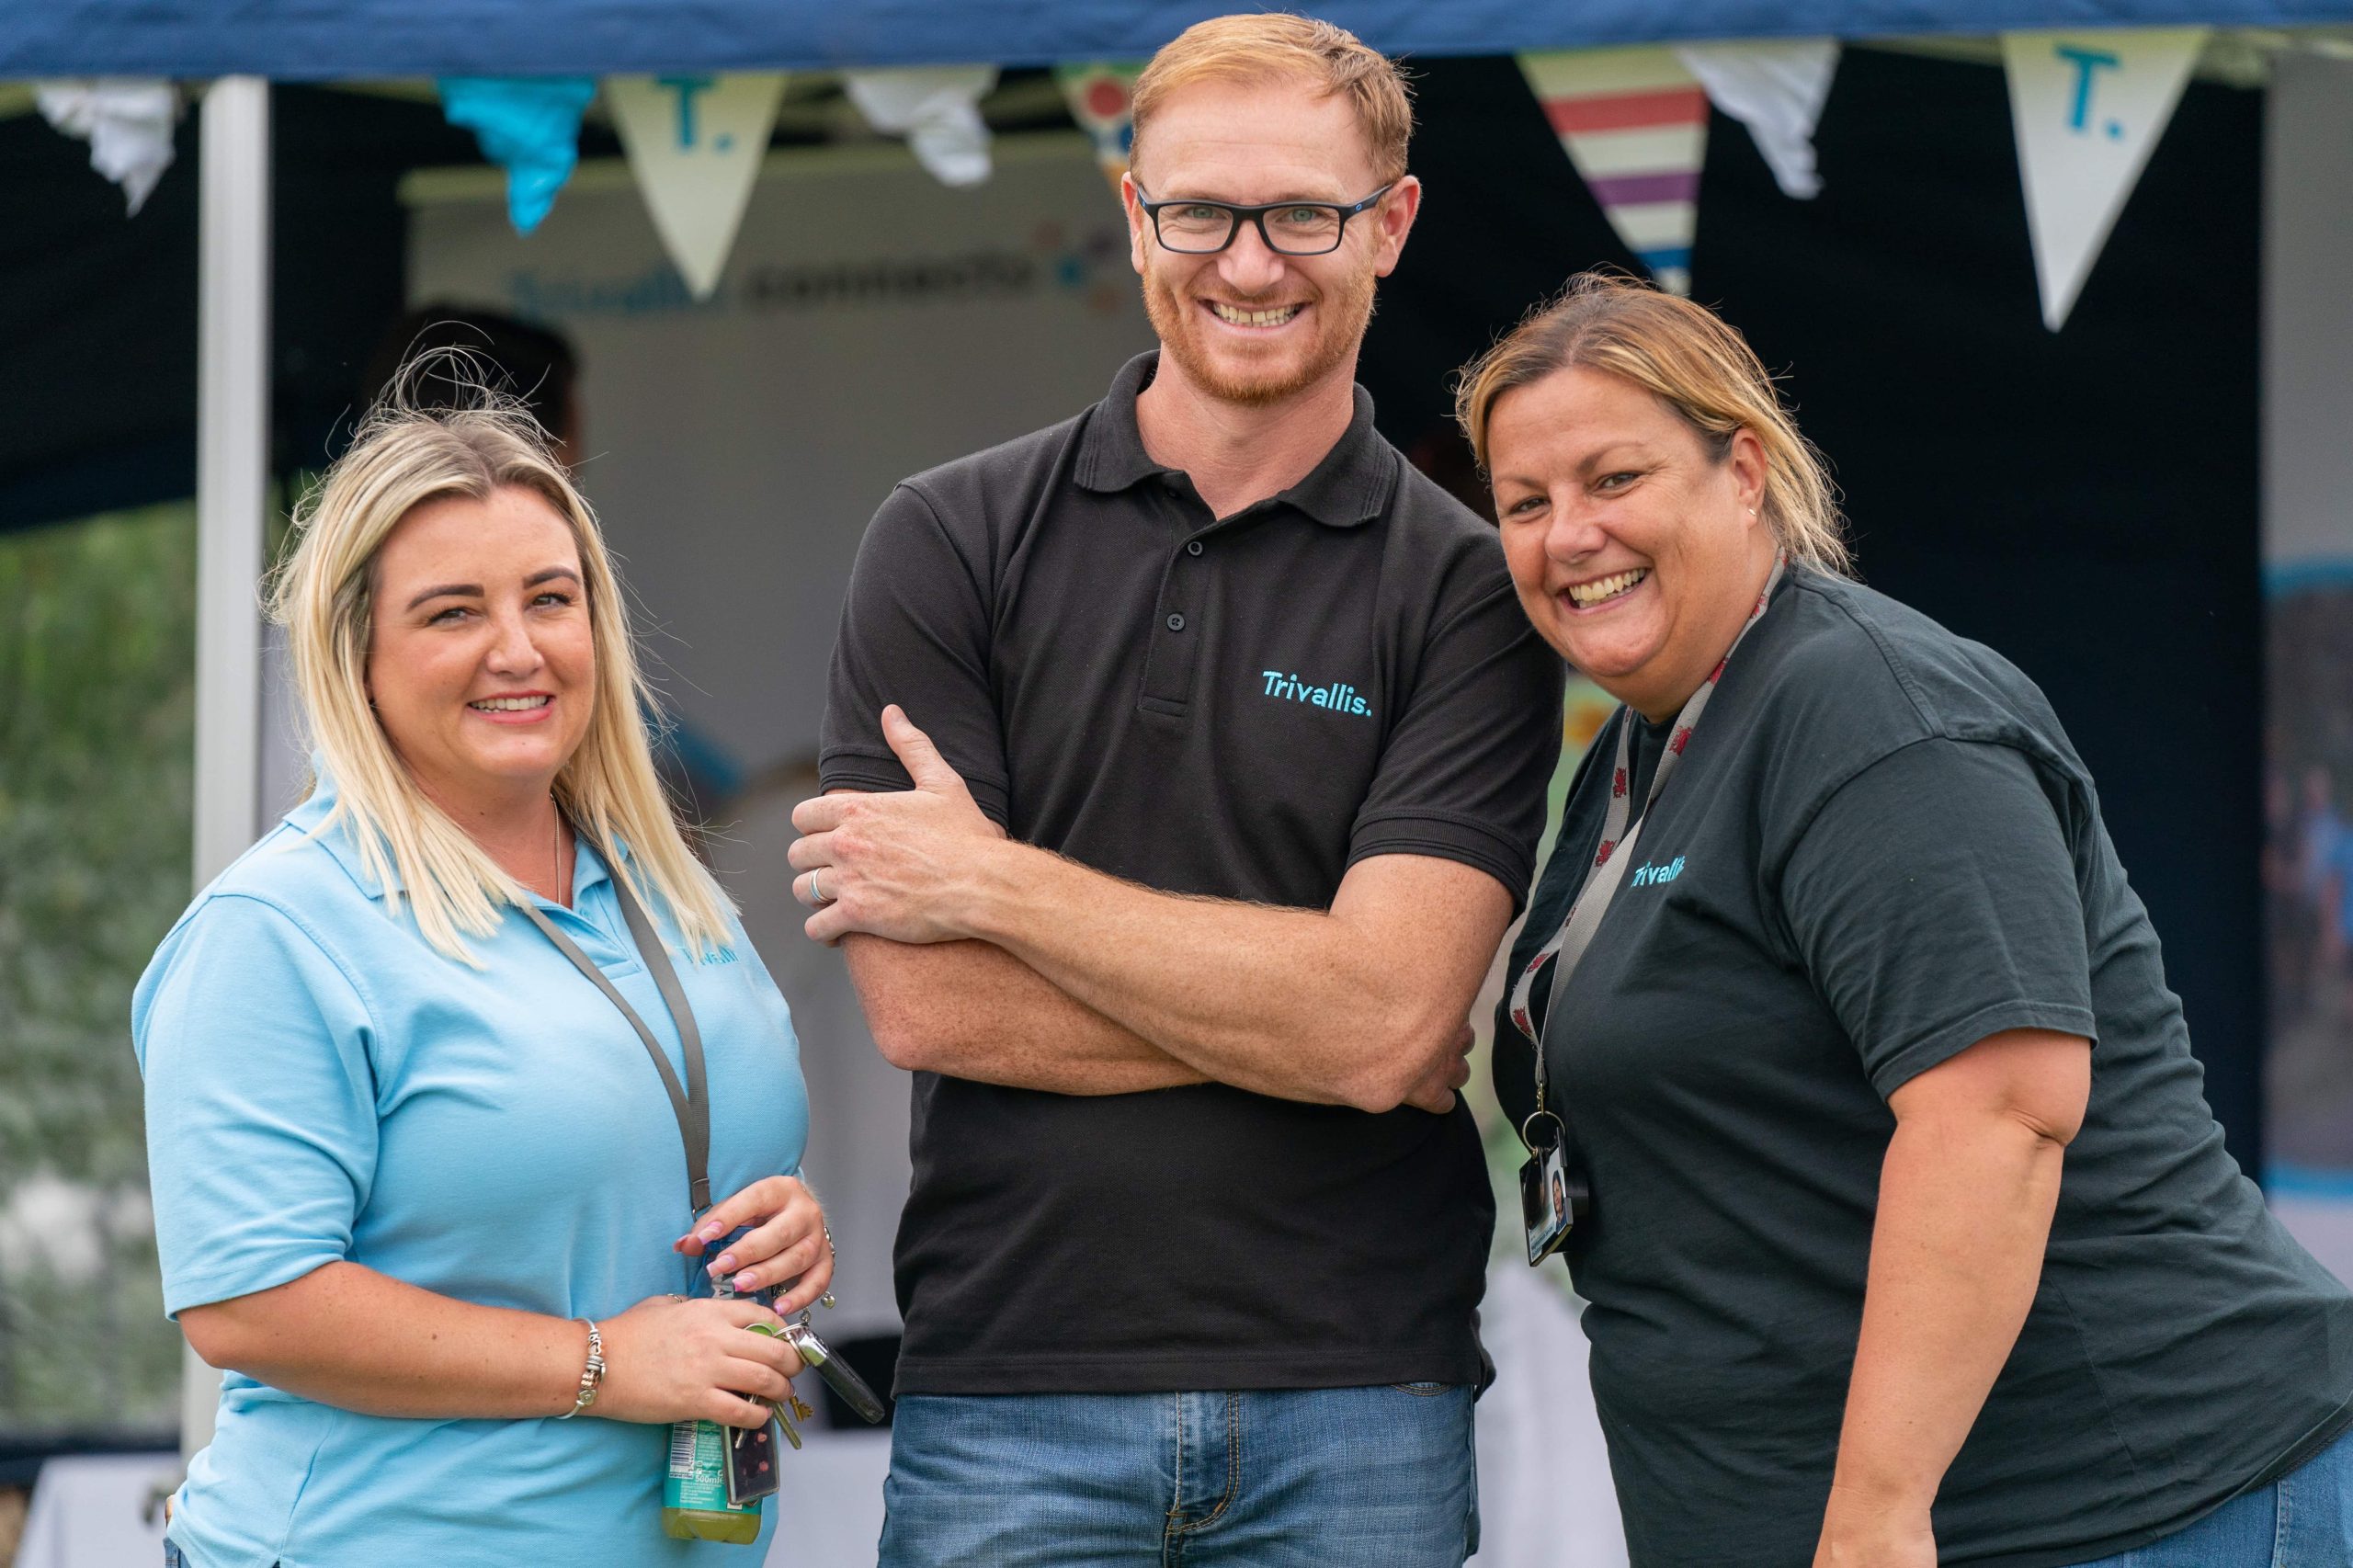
{"type": "Point", "coordinates": [1567, 947]}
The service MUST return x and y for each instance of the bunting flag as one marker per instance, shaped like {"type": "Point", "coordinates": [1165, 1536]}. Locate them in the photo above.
{"type": "Point", "coordinates": [1775, 87]}
{"type": "Point", "coordinates": [2088, 107]}
{"type": "Point", "coordinates": [1634, 122]}
{"type": "Point", "coordinates": [127, 121]}
{"type": "Point", "coordinates": [695, 144]}
{"type": "Point", "coordinates": [1101, 98]}
{"type": "Point", "coordinates": [936, 108]}
{"type": "Point", "coordinates": [529, 126]}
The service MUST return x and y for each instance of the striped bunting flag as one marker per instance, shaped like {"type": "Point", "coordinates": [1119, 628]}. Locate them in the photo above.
{"type": "Point", "coordinates": [1634, 121]}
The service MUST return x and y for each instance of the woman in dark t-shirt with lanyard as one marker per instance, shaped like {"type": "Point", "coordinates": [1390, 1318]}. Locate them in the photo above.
{"type": "Point", "coordinates": [1907, 1232]}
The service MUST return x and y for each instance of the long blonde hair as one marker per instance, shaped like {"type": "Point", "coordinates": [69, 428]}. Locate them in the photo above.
{"type": "Point", "coordinates": [1691, 359]}
{"type": "Point", "coordinates": [401, 457]}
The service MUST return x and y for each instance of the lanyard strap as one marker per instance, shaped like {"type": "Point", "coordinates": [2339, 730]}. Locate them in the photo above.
{"type": "Point", "coordinates": [691, 1103]}
{"type": "Point", "coordinates": [1607, 873]}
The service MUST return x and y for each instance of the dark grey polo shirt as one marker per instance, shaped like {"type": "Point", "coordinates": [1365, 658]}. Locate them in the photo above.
{"type": "Point", "coordinates": [1242, 708]}
{"type": "Point", "coordinates": [1879, 849]}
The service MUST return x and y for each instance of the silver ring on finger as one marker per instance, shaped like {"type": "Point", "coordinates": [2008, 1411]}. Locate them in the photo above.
{"type": "Point", "coordinates": [816, 894]}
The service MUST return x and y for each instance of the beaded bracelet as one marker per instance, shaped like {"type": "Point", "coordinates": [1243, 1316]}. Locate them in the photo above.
{"type": "Point", "coordinates": [592, 1375]}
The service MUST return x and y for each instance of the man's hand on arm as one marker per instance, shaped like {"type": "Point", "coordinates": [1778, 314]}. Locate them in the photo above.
{"type": "Point", "coordinates": [1361, 1005]}
{"type": "Point", "coordinates": [973, 1011]}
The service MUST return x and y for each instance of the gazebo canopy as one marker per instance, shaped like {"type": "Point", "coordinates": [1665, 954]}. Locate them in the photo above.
{"type": "Point", "coordinates": [327, 40]}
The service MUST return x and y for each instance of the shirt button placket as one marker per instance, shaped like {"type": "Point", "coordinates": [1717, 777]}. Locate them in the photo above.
{"type": "Point", "coordinates": [1169, 670]}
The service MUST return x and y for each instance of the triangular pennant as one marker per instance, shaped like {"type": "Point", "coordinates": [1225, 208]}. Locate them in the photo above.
{"type": "Point", "coordinates": [936, 108]}
{"type": "Point", "coordinates": [1776, 88]}
{"type": "Point", "coordinates": [1102, 100]}
{"type": "Point", "coordinates": [529, 126]}
{"type": "Point", "coordinates": [2088, 107]}
{"type": "Point", "coordinates": [1635, 124]}
{"type": "Point", "coordinates": [695, 144]}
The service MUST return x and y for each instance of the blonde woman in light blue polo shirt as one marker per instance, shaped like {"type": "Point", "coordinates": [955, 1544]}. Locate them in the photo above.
{"type": "Point", "coordinates": [415, 1172]}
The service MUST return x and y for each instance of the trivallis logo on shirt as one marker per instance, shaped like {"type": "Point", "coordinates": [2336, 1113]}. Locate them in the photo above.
{"type": "Point", "coordinates": [1340, 697]}
{"type": "Point", "coordinates": [1647, 875]}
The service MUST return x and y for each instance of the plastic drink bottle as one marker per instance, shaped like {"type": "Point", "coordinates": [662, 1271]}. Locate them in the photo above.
{"type": "Point", "coordinates": [694, 1485]}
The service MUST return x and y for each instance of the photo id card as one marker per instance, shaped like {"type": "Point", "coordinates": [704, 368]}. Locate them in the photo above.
{"type": "Point", "coordinates": [1545, 1201]}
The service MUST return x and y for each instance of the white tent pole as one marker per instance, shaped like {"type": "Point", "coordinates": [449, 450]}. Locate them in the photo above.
{"type": "Point", "coordinates": [231, 497]}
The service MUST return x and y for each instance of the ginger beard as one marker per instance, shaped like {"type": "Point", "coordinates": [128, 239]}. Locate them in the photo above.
{"type": "Point", "coordinates": [1271, 371]}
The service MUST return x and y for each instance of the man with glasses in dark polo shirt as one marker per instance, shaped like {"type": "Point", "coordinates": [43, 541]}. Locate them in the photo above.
{"type": "Point", "coordinates": [1230, 773]}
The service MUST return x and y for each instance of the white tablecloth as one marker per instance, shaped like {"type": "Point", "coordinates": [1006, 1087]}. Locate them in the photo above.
{"type": "Point", "coordinates": [86, 1513]}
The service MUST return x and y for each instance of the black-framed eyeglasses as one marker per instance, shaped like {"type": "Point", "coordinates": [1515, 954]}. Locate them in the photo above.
{"type": "Point", "coordinates": [1192, 226]}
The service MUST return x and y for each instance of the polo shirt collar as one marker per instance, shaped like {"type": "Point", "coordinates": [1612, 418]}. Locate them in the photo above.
{"type": "Point", "coordinates": [1349, 487]}
{"type": "Point", "coordinates": [587, 865]}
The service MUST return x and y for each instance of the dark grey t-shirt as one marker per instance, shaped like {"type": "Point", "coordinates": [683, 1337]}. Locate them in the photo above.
{"type": "Point", "coordinates": [1240, 707]}
{"type": "Point", "coordinates": [1879, 848]}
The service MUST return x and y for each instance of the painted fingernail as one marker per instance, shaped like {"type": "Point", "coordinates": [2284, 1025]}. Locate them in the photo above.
{"type": "Point", "coordinates": [726, 1261]}
{"type": "Point", "coordinates": [746, 1280]}
{"type": "Point", "coordinates": [711, 1233]}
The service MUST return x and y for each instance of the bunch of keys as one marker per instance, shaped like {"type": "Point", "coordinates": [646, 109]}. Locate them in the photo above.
{"type": "Point", "coordinates": [749, 1473]}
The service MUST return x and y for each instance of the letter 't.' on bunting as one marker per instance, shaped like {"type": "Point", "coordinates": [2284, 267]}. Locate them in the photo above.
{"type": "Point", "coordinates": [2088, 107]}
{"type": "Point", "coordinates": [695, 144]}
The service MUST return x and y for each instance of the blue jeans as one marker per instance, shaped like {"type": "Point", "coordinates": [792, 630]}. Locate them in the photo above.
{"type": "Point", "coordinates": [1378, 1477]}
{"type": "Point", "coordinates": [2302, 1520]}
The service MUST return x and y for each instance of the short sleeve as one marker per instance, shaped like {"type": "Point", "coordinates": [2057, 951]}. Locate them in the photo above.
{"type": "Point", "coordinates": [261, 1107]}
{"type": "Point", "coordinates": [1465, 771]}
{"type": "Point", "coordinates": [915, 631]}
{"type": "Point", "coordinates": [1934, 901]}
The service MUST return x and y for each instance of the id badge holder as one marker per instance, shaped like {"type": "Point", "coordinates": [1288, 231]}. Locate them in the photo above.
{"type": "Point", "coordinates": [1549, 1193]}
{"type": "Point", "coordinates": [752, 1471]}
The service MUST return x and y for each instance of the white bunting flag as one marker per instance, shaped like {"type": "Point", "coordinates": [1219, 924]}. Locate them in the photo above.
{"type": "Point", "coordinates": [936, 108]}
{"type": "Point", "coordinates": [2088, 107]}
{"type": "Point", "coordinates": [127, 121]}
{"type": "Point", "coordinates": [1776, 88]}
{"type": "Point", "coordinates": [695, 144]}
{"type": "Point", "coordinates": [1635, 124]}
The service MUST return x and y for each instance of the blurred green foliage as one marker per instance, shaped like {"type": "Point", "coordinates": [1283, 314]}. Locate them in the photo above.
{"type": "Point", "coordinates": [97, 638]}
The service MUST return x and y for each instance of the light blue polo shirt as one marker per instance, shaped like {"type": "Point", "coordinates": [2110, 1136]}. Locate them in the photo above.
{"type": "Point", "coordinates": [322, 1084]}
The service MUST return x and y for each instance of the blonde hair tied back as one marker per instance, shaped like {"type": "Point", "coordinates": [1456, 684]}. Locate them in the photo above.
{"type": "Point", "coordinates": [401, 456]}
{"type": "Point", "coordinates": [1689, 359]}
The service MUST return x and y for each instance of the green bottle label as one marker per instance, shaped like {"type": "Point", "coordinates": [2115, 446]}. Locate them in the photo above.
{"type": "Point", "coordinates": [698, 1474]}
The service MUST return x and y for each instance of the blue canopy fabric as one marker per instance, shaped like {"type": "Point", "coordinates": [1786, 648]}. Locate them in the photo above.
{"type": "Point", "coordinates": [325, 40]}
